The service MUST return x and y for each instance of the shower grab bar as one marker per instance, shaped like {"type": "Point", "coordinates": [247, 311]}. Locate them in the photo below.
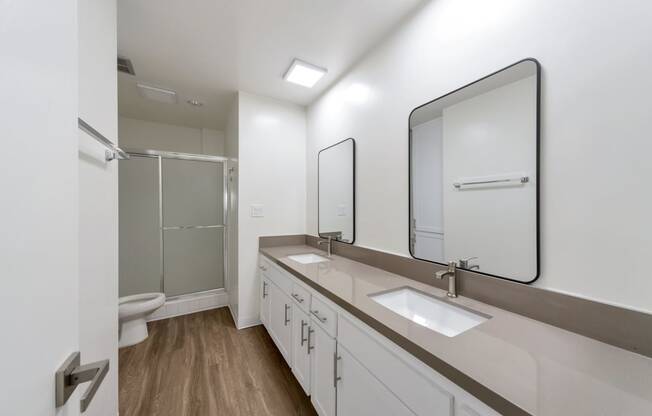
{"type": "Point", "coordinates": [192, 227]}
{"type": "Point", "coordinates": [520, 179]}
{"type": "Point", "coordinates": [113, 151]}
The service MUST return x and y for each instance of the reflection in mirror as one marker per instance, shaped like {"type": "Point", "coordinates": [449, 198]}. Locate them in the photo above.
{"type": "Point", "coordinates": [473, 175]}
{"type": "Point", "coordinates": [336, 184]}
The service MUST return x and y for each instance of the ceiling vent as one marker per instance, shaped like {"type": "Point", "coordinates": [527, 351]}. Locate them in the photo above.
{"type": "Point", "coordinates": [125, 65]}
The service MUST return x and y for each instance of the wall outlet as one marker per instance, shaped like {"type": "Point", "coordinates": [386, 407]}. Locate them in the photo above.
{"type": "Point", "coordinates": [257, 210]}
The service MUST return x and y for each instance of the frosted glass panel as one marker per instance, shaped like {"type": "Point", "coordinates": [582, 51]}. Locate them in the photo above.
{"type": "Point", "coordinates": [192, 193]}
{"type": "Point", "coordinates": [194, 260]}
{"type": "Point", "coordinates": [139, 226]}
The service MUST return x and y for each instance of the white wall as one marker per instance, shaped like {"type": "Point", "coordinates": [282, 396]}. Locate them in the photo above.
{"type": "Point", "coordinates": [38, 178]}
{"type": "Point", "coordinates": [272, 172]}
{"type": "Point", "coordinates": [141, 134]}
{"type": "Point", "coordinates": [487, 136]}
{"type": "Point", "coordinates": [98, 199]}
{"type": "Point", "coordinates": [595, 225]}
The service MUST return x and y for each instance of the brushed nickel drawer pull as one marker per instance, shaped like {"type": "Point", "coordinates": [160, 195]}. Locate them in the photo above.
{"type": "Point", "coordinates": [303, 325]}
{"type": "Point", "coordinates": [321, 318]}
{"type": "Point", "coordinates": [310, 347]}
{"type": "Point", "coordinates": [297, 298]}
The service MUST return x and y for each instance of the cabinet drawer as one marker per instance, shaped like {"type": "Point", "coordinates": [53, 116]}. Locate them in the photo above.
{"type": "Point", "coordinates": [301, 297]}
{"type": "Point", "coordinates": [388, 363]}
{"type": "Point", "coordinates": [276, 275]}
{"type": "Point", "coordinates": [323, 314]}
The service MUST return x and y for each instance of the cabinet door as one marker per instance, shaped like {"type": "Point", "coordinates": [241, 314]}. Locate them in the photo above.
{"type": "Point", "coordinates": [300, 357]}
{"type": "Point", "coordinates": [359, 393]}
{"type": "Point", "coordinates": [322, 370]}
{"type": "Point", "coordinates": [280, 315]}
{"type": "Point", "coordinates": [264, 300]}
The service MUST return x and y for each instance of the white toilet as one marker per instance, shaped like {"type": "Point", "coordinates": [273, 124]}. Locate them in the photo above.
{"type": "Point", "coordinates": [132, 313]}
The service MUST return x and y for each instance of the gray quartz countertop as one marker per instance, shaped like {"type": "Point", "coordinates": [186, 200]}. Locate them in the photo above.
{"type": "Point", "coordinates": [532, 366]}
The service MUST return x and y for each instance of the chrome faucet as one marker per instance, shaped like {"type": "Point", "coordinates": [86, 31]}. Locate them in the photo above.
{"type": "Point", "coordinates": [329, 241]}
{"type": "Point", "coordinates": [451, 272]}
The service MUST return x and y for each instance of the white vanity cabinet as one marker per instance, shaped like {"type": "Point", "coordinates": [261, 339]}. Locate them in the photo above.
{"type": "Point", "coordinates": [300, 355]}
{"type": "Point", "coordinates": [360, 393]}
{"type": "Point", "coordinates": [264, 300]}
{"type": "Point", "coordinates": [346, 367]}
{"type": "Point", "coordinates": [280, 319]}
{"type": "Point", "coordinates": [322, 369]}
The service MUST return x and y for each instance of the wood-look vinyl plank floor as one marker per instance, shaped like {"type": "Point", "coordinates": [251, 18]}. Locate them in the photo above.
{"type": "Point", "coordinates": [201, 365]}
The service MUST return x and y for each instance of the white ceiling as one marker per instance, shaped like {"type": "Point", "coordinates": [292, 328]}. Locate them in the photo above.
{"type": "Point", "coordinates": [209, 49]}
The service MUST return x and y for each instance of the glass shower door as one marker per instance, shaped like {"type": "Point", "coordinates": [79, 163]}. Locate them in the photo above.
{"type": "Point", "coordinates": [139, 229]}
{"type": "Point", "coordinates": [193, 225]}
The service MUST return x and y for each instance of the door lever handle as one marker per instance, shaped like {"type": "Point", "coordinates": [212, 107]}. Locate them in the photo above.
{"type": "Point", "coordinates": [71, 374]}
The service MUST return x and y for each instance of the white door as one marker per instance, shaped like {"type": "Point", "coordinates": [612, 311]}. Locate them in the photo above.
{"type": "Point", "coordinates": [264, 301]}
{"type": "Point", "coordinates": [44, 311]}
{"type": "Point", "coordinates": [280, 320]}
{"type": "Point", "coordinates": [322, 367]}
{"type": "Point", "coordinates": [359, 393]}
{"type": "Point", "coordinates": [300, 356]}
{"type": "Point", "coordinates": [98, 199]}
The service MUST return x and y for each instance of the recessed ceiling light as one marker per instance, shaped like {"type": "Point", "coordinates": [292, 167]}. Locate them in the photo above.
{"type": "Point", "coordinates": [304, 74]}
{"type": "Point", "coordinates": [157, 94]}
{"type": "Point", "coordinates": [195, 103]}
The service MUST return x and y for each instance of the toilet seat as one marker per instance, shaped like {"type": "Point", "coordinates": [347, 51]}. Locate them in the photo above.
{"type": "Point", "coordinates": [141, 303]}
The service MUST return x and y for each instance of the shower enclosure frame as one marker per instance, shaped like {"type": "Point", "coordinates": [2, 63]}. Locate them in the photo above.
{"type": "Point", "coordinates": [160, 155]}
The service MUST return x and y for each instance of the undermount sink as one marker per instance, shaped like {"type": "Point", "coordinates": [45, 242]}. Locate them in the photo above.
{"type": "Point", "coordinates": [307, 258]}
{"type": "Point", "coordinates": [428, 311]}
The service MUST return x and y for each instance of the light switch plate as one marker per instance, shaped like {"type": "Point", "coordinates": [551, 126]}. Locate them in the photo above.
{"type": "Point", "coordinates": [257, 210]}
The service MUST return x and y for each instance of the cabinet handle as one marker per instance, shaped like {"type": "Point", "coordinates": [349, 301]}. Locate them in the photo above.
{"type": "Point", "coordinates": [310, 347]}
{"type": "Point", "coordinates": [297, 298]}
{"type": "Point", "coordinates": [303, 324]}
{"type": "Point", "coordinates": [321, 318]}
{"type": "Point", "coordinates": [336, 378]}
{"type": "Point", "coordinates": [264, 292]}
{"type": "Point", "coordinates": [286, 314]}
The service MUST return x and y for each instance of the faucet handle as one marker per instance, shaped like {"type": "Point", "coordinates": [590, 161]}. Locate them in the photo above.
{"type": "Point", "coordinates": [452, 265]}
{"type": "Point", "coordinates": [469, 258]}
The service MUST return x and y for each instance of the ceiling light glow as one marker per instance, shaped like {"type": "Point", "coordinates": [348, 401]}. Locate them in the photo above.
{"type": "Point", "coordinates": [157, 94]}
{"type": "Point", "coordinates": [304, 74]}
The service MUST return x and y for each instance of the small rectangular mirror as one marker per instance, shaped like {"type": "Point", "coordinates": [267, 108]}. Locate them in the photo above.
{"type": "Point", "coordinates": [336, 191]}
{"type": "Point", "coordinates": [474, 182]}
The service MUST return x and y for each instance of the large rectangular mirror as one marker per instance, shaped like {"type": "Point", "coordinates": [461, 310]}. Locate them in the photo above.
{"type": "Point", "coordinates": [474, 168]}
{"type": "Point", "coordinates": [336, 191]}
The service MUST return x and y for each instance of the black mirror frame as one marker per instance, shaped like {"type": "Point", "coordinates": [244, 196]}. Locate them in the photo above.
{"type": "Point", "coordinates": [537, 169]}
{"type": "Point", "coordinates": [354, 187]}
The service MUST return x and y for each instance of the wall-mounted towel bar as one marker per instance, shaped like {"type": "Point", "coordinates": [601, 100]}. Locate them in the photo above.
{"type": "Point", "coordinates": [512, 180]}
{"type": "Point", "coordinates": [113, 151]}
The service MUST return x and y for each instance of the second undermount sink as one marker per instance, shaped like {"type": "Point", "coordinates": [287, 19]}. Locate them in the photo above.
{"type": "Point", "coordinates": [428, 311]}
{"type": "Point", "coordinates": [308, 258]}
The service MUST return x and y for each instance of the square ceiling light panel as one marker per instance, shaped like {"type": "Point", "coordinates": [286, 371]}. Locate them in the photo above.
{"type": "Point", "coordinates": [304, 74]}
{"type": "Point", "coordinates": [157, 94]}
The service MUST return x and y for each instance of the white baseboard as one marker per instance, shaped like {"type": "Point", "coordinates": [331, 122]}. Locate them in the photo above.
{"type": "Point", "coordinates": [190, 304]}
{"type": "Point", "coordinates": [248, 323]}
{"type": "Point", "coordinates": [234, 315]}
